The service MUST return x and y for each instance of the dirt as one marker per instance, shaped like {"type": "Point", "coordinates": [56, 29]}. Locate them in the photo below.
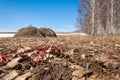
{"type": "Point", "coordinates": [98, 57]}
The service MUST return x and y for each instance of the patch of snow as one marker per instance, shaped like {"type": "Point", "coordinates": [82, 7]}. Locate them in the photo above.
{"type": "Point", "coordinates": [6, 35]}
{"type": "Point", "coordinates": [68, 34]}
{"type": "Point", "coordinates": [58, 34]}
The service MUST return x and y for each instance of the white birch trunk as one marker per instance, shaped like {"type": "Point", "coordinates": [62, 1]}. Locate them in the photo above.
{"type": "Point", "coordinates": [93, 15]}
{"type": "Point", "coordinates": [113, 31]}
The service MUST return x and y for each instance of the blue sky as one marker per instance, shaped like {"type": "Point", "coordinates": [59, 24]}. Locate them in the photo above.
{"type": "Point", "coordinates": [59, 15]}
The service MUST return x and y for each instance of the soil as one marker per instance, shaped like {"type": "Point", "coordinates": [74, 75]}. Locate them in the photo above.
{"type": "Point", "coordinates": [99, 57]}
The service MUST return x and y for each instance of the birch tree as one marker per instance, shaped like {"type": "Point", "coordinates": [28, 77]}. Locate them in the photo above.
{"type": "Point", "coordinates": [102, 17]}
{"type": "Point", "coordinates": [93, 14]}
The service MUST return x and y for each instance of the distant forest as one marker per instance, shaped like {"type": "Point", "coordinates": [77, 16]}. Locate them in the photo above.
{"type": "Point", "coordinates": [99, 17]}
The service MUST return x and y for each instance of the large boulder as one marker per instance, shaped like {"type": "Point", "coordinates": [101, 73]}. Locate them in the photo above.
{"type": "Point", "coordinates": [28, 32]}
{"type": "Point", "coordinates": [47, 32]}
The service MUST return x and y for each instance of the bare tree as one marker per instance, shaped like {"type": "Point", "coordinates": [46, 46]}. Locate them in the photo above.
{"type": "Point", "coordinates": [102, 17]}
{"type": "Point", "coordinates": [93, 17]}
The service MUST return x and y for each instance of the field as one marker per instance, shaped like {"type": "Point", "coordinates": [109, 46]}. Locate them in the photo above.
{"type": "Point", "coordinates": [65, 58]}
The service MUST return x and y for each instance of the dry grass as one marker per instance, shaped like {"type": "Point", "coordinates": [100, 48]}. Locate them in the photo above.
{"type": "Point", "coordinates": [69, 41]}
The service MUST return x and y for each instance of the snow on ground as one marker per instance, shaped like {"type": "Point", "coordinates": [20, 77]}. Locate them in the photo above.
{"type": "Point", "coordinates": [58, 34]}
{"type": "Point", "coordinates": [69, 34]}
{"type": "Point", "coordinates": [6, 35]}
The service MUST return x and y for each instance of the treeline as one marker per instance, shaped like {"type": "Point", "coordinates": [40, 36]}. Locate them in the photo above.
{"type": "Point", "coordinates": [99, 17]}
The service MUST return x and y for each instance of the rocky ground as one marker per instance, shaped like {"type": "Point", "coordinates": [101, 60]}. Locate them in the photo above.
{"type": "Point", "coordinates": [61, 58]}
